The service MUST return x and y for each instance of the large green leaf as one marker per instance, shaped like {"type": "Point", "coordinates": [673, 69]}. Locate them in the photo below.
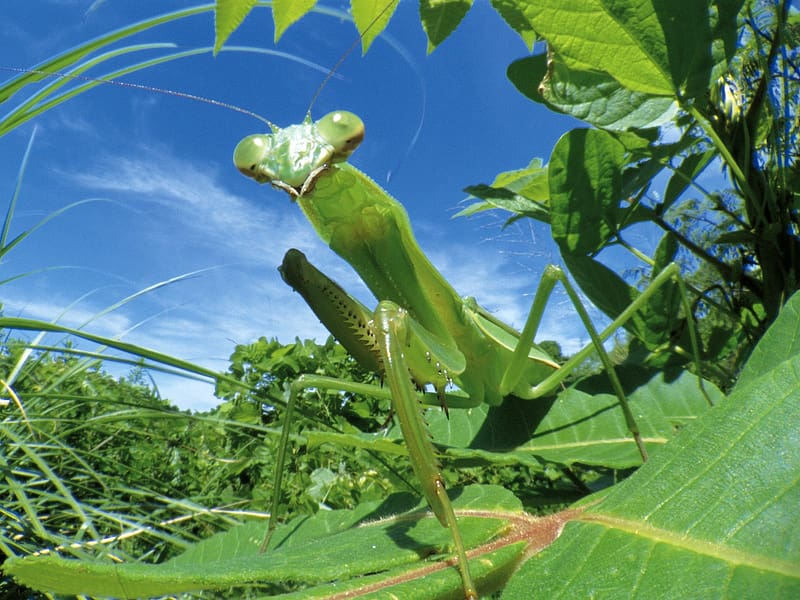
{"type": "Point", "coordinates": [376, 547]}
{"type": "Point", "coordinates": [656, 47]}
{"type": "Point", "coordinates": [577, 427]}
{"type": "Point", "coordinates": [580, 427]}
{"type": "Point", "coordinates": [592, 96]}
{"type": "Point", "coordinates": [585, 177]}
{"type": "Point", "coordinates": [780, 342]}
{"type": "Point", "coordinates": [713, 515]}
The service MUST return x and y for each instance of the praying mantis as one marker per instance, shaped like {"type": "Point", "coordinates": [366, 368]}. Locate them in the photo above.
{"type": "Point", "coordinates": [422, 333]}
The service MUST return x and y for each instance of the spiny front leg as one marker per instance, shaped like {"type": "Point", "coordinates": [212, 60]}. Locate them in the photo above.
{"type": "Point", "coordinates": [395, 333]}
{"type": "Point", "coordinates": [393, 344]}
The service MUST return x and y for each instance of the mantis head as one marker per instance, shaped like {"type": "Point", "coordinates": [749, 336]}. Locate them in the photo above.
{"type": "Point", "coordinates": [288, 157]}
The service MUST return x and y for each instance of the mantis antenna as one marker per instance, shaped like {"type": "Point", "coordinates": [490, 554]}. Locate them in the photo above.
{"type": "Point", "coordinates": [144, 87]}
{"type": "Point", "coordinates": [345, 54]}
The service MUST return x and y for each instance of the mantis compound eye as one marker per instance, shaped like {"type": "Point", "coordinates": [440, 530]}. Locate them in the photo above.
{"type": "Point", "coordinates": [250, 154]}
{"type": "Point", "coordinates": [343, 130]}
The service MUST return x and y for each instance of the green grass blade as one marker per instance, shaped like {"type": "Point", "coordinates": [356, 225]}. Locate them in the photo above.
{"type": "Point", "coordinates": [13, 204]}
{"type": "Point", "coordinates": [65, 60]}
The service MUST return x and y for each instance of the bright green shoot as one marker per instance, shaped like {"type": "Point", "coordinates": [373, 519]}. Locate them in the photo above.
{"type": "Point", "coordinates": [422, 332]}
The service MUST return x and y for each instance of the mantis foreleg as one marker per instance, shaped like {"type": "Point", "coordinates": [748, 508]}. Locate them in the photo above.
{"type": "Point", "coordinates": [392, 328]}
{"type": "Point", "coordinates": [393, 344]}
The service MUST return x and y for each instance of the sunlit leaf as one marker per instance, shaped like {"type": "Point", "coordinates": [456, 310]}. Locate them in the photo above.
{"type": "Point", "coordinates": [658, 48]}
{"type": "Point", "coordinates": [440, 18]}
{"type": "Point", "coordinates": [371, 18]}
{"type": "Point", "coordinates": [713, 515]}
{"type": "Point", "coordinates": [513, 14]}
{"type": "Point", "coordinates": [228, 15]}
{"type": "Point", "coordinates": [287, 12]}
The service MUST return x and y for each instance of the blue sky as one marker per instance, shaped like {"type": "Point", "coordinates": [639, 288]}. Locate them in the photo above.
{"type": "Point", "coordinates": [169, 202]}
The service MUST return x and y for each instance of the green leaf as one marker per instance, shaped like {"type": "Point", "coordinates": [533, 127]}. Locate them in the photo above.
{"type": "Point", "coordinates": [440, 17]}
{"type": "Point", "coordinates": [663, 308]}
{"type": "Point", "coordinates": [371, 18]}
{"type": "Point", "coordinates": [374, 546]}
{"type": "Point", "coordinates": [530, 182]}
{"type": "Point", "coordinates": [713, 515]}
{"type": "Point", "coordinates": [665, 252]}
{"type": "Point", "coordinates": [585, 187]}
{"type": "Point", "coordinates": [577, 427]}
{"type": "Point", "coordinates": [474, 208]}
{"type": "Point", "coordinates": [735, 237]}
{"type": "Point", "coordinates": [527, 74]}
{"type": "Point", "coordinates": [523, 192]}
{"type": "Point", "coordinates": [608, 291]}
{"type": "Point", "coordinates": [592, 96]}
{"type": "Point", "coordinates": [515, 17]}
{"type": "Point", "coordinates": [228, 15]}
{"type": "Point", "coordinates": [652, 47]}
{"type": "Point", "coordinates": [504, 199]}
{"type": "Point", "coordinates": [653, 324]}
{"type": "Point", "coordinates": [287, 12]}
{"type": "Point", "coordinates": [781, 342]}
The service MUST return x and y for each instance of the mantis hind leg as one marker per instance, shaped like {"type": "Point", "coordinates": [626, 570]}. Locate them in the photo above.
{"type": "Point", "coordinates": [512, 377]}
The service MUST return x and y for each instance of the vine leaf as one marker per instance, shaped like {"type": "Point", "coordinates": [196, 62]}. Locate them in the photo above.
{"type": "Point", "coordinates": [371, 18]}
{"type": "Point", "coordinates": [287, 12]}
{"type": "Point", "coordinates": [712, 515]}
{"type": "Point", "coordinates": [228, 15]}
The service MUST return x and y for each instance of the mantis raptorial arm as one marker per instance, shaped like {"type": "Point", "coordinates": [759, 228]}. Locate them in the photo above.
{"type": "Point", "coordinates": [423, 332]}
{"type": "Point", "coordinates": [387, 341]}
{"type": "Point", "coordinates": [395, 335]}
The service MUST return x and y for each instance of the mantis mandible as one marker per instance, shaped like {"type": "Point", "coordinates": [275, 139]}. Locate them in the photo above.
{"type": "Point", "coordinates": [422, 332]}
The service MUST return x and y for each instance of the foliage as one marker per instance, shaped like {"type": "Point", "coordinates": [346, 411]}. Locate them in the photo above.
{"type": "Point", "coordinates": [91, 461]}
{"type": "Point", "coordinates": [728, 97]}
{"type": "Point", "coordinates": [324, 478]}
{"type": "Point", "coordinates": [670, 89]}
{"type": "Point", "coordinates": [666, 528]}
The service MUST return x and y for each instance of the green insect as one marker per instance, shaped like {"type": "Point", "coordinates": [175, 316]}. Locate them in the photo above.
{"type": "Point", "coordinates": [422, 332]}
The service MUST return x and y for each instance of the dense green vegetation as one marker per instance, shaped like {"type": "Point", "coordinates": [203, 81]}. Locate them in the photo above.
{"type": "Point", "coordinates": [127, 496]}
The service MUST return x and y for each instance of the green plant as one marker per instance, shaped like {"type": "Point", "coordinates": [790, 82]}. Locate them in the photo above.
{"type": "Point", "coordinates": [740, 454]}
